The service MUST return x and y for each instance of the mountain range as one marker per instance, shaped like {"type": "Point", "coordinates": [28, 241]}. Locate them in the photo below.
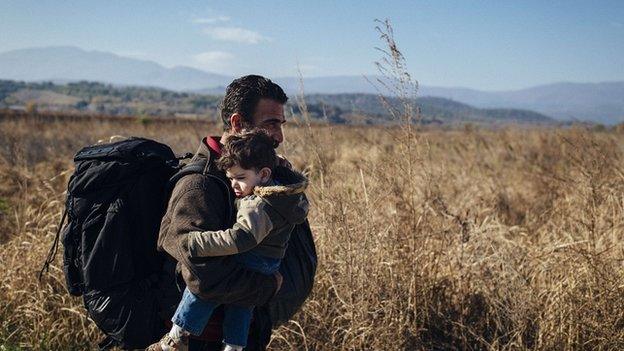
{"type": "Point", "coordinates": [596, 102]}
{"type": "Point", "coordinates": [63, 64]}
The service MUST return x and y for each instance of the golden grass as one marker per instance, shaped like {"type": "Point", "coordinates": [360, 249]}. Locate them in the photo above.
{"type": "Point", "coordinates": [482, 240]}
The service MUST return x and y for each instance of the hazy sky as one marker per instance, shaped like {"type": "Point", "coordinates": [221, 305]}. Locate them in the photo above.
{"type": "Point", "coordinates": [489, 45]}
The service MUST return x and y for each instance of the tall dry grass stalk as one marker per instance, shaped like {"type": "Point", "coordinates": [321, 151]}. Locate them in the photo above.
{"type": "Point", "coordinates": [497, 240]}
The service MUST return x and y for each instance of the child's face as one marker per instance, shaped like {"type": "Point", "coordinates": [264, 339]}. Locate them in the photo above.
{"type": "Point", "coordinates": [244, 180]}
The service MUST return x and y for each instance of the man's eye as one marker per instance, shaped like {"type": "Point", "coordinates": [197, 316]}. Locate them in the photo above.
{"type": "Point", "coordinates": [272, 124]}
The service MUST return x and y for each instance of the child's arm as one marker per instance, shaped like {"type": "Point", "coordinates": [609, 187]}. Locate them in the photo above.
{"type": "Point", "coordinates": [252, 226]}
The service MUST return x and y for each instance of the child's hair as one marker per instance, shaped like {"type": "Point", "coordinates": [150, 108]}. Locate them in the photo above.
{"type": "Point", "coordinates": [249, 150]}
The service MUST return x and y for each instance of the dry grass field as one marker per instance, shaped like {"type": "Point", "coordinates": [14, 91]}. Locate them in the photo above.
{"type": "Point", "coordinates": [509, 239]}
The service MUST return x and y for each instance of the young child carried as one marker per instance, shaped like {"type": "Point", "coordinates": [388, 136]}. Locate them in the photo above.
{"type": "Point", "coordinates": [270, 202]}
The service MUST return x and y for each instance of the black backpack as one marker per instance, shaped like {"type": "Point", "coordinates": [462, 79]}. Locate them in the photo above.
{"type": "Point", "coordinates": [115, 201]}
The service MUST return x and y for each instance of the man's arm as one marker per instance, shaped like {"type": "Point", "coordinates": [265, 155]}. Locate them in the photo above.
{"type": "Point", "coordinates": [252, 226]}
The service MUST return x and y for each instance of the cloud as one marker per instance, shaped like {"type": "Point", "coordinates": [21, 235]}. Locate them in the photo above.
{"type": "Point", "coordinates": [133, 54]}
{"type": "Point", "coordinates": [235, 34]}
{"type": "Point", "coordinates": [214, 60]}
{"type": "Point", "coordinates": [616, 24]}
{"type": "Point", "coordinates": [211, 20]}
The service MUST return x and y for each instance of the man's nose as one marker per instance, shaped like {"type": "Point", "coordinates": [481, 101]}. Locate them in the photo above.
{"type": "Point", "coordinates": [278, 135]}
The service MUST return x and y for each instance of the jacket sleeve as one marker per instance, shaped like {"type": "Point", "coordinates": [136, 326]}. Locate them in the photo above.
{"type": "Point", "coordinates": [252, 225]}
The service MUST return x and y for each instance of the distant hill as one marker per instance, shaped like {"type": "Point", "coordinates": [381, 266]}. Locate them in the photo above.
{"type": "Point", "coordinates": [93, 97]}
{"type": "Point", "coordinates": [74, 64]}
{"type": "Point", "coordinates": [433, 110]}
{"type": "Point", "coordinates": [337, 108]}
{"type": "Point", "coordinates": [597, 102]}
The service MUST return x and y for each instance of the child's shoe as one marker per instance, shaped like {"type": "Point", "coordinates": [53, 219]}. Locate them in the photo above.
{"type": "Point", "coordinates": [228, 347]}
{"type": "Point", "coordinates": [167, 343]}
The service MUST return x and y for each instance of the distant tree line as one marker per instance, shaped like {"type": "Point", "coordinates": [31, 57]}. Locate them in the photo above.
{"type": "Point", "coordinates": [93, 97]}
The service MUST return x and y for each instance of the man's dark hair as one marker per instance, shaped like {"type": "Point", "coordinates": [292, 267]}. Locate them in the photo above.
{"type": "Point", "coordinates": [243, 94]}
{"type": "Point", "coordinates": [249, 150]}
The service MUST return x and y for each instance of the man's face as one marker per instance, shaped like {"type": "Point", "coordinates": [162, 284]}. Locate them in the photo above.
{"type": "Point", "coordinates": [269, 116]}
{"type": "Point", "coordinates": [244, 181]}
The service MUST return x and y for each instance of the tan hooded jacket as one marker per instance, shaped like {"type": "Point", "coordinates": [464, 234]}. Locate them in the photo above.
{"type": "Point", "coordinates": [264, 220]}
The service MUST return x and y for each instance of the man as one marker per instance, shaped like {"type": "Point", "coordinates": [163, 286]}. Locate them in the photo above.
{"type": "Point", "coordinates": [204, 201]}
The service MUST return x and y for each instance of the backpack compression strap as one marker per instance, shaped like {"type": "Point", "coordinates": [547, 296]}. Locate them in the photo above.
{"type": "Point", "coordinates": [54, 248]}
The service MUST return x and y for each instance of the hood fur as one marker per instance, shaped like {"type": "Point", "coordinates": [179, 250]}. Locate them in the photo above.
{"type": "Point", "coordinates": [288, 198]}
{"type": "Point", "coordinates": [291, 183]}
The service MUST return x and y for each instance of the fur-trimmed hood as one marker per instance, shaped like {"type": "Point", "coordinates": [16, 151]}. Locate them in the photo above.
{"type": "Point", "coordinates": [287, 195]}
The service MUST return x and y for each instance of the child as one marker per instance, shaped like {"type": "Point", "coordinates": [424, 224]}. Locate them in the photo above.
{"type": "Point", "coordinates": [270, 201]}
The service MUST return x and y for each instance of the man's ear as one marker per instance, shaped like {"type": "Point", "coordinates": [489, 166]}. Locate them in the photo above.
{"type": "Point", "coordinates": [236, 121]}
{"type": "Point", "coordinates": [265, 174]}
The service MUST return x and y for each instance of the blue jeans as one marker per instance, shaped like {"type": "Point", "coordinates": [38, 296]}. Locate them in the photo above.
{"type": "Point", "coordinates": [194, 313]}
{"type": "Point", "coordinates": [255, 262]}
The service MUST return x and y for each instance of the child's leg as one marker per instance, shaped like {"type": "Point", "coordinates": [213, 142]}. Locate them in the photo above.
{"type": "Point", "coordinates": [236, 326]}
{"type": "Point", "coordinates": [192, 314]}
{"type": "Point", "coordinates": [258, 263]}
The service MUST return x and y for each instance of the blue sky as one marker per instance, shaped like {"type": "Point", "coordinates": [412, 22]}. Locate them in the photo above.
{"type": "Point", "coordinates": [489, 45]}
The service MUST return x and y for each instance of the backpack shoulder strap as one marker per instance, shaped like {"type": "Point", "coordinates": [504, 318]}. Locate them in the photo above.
{"type": "Point", "coordinates": [199, 167]}
{"type": "Point", "coordinates": [191, 168]}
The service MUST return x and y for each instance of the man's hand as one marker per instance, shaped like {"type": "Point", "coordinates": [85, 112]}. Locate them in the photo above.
{"type": "Point", "coordinates": [280, 279]}
{"type": "Point", "coordinates": [282, 161]}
